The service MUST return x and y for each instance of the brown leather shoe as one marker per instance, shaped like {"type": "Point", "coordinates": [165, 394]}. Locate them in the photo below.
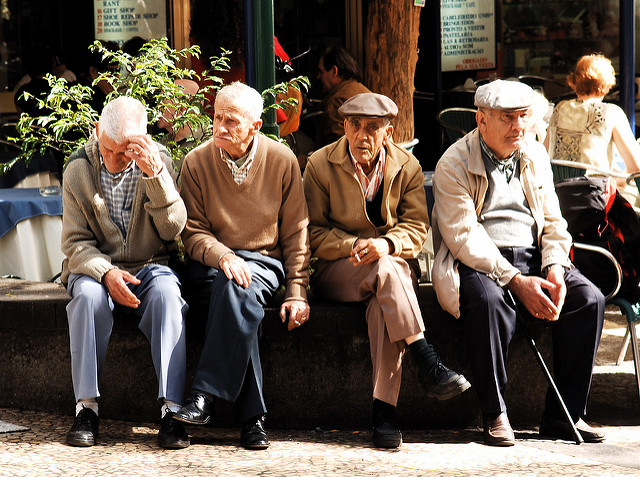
{"type": "Point", "coordinates": [498, 432]}
{"type": "Point", "coordinates": [560, 429]}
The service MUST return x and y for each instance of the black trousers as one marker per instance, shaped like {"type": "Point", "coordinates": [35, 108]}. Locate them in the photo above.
{"type": "Point", "coordinates": [489, 323]}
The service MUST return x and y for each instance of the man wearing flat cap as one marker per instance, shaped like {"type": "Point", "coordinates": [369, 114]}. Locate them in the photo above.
{"type": "Point", "coordinates": [497, 227]}
{"type": "Point", "coordinates": [367, 223]}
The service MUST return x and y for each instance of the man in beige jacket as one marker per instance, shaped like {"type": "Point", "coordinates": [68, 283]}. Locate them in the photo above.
{"type": "Point", "coordinates": [368, 221]}
{"type": "Point", "coordinates": [497, 226]}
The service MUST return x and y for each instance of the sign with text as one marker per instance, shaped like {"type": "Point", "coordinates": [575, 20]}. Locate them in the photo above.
{"type": "Point", "coordinates": [120, 20]}
{"type": "Point", "coordinates": [468, 34]}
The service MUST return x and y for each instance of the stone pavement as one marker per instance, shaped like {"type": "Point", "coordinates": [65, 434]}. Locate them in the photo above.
{"type": "Point", "coordinates": [130, 449]}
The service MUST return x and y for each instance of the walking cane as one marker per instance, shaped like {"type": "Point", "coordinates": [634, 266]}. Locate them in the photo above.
{"type": "Point", "coordinates": [545, 370]}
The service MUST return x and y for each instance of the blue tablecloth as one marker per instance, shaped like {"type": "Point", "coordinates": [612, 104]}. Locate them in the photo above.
{"type": "Point", "coordinates": [20, 204]}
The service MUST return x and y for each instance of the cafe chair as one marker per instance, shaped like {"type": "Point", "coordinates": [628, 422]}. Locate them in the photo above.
{"type": "Point", "coordinates": [601, 267]}
{"type": "Point", "coordinates": [563, 169]}
{"type": "Point", "coordinates": [456, 122]}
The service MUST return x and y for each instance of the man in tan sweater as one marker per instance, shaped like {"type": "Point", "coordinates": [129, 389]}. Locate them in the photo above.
{"type": "Point", "coordinates": [246, 235]}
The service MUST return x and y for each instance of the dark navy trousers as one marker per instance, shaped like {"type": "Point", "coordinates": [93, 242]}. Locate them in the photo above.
{"type": "Point", "coordinates": [229, 366]}
{"type": "Point", "coordinates": [489, 323]}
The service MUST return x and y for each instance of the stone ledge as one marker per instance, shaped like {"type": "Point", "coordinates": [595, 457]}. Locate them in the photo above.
{"type": "Point", "coordinates": [316, 376]}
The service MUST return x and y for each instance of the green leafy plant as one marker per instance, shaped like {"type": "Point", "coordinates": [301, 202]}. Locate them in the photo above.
{"type": "Point", "coordinates": [68, 119]}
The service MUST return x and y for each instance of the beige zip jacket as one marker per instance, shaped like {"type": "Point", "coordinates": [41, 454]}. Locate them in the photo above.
{"type": "Point", "coordinates": [337, 209]}
{"type": "Point", "coordinates": [459, 187]}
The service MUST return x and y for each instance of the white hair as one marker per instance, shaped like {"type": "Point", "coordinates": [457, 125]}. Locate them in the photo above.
{"type": "Point", "coordinates": [243, 97]}
{"type": "Point", "coordinates": [123, 118]}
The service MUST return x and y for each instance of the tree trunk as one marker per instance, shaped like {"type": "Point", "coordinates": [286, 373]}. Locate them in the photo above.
{"type": "Point", "coordinates": [391, 44]}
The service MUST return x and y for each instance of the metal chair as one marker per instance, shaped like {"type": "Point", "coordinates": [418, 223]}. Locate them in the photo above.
{"type": "Point", "coordinates": [601, 267]}
{"type": "Point", "coordinates": [456, 122]}
{"type": "Point", "coordinates": [563, 169]}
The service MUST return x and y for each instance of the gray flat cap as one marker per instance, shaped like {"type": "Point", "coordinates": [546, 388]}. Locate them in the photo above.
{"type": "Point", "coordinates": [369, 104]}
{"type": "Point", "coordinates": [506, 95]}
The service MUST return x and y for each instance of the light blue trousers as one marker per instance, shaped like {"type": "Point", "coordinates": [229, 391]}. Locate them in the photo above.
{"type": "Point", "coordinates": [161, 312]}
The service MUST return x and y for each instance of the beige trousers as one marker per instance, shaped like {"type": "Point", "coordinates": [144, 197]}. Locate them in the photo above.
{"type": "Point", "coordinates": [393, 313]}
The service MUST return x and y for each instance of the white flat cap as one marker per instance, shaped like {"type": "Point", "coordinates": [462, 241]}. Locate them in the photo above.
{"type": "Point", "coordinates": [506, 95]}
{"type": "Point", "coordinates": [369, 104]}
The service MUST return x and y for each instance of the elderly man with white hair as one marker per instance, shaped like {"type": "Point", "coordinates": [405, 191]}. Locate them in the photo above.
{"type": "Point", "coordinates": [498, 227]}
{"type": "Point", "coordinates": [121, 209]}
{"type": "Point", "coordinates": [246, 235]}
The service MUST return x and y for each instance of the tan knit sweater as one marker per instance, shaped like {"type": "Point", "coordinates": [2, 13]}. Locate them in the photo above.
{"type": "Point", "coordinates": [91, 240]}
{"type": "Point", "coordinates": [267, 213]}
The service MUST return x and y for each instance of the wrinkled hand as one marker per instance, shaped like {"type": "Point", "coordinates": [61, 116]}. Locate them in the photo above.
{"type": "Point", "coordinates": [369, 250]}
{"type": "Point", "coordinates": [143, 150]}
{"type": "Point", "coordinates": [556, 276]}
{"type": "Point", "coordinates": [236, 269]}
{"type": "Point", "coordinates": [529, 291]}
{"type": "Point", "coordinates": [116, 282]}
{"type": "Point", "coordinates": [297, 311]}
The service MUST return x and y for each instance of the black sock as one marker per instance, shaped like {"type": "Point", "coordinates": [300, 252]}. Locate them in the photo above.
{"type": "Point", "coordinates": [384, 408]}
{"type": "Point", "coordinates": [423, 355]}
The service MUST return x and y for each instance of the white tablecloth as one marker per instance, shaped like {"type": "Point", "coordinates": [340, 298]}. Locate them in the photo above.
{"type": "Point", "coordinates": [31, 250]}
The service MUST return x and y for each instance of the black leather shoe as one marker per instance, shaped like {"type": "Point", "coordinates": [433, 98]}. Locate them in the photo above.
{"type": "Point", "coordinates": [442, 383]}
{"type": "Point", "coordinates": [172, 434]}
{"type": "Point", "coordinates": [84, 431]}
{"type": "Point", "coordinates": [197, 410]}
{"type": "Point", "coordinates": [560, 429]}
{"type": "Point", "coordinates": [386, 433]}
{"type": "Point", "coordinates": [253, 435]}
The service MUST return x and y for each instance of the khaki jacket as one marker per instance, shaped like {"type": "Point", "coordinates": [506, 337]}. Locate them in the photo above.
{"type": "Point", "coordinates": [337, 209]}
{"type": "Point", "coordinates": [459, 186]}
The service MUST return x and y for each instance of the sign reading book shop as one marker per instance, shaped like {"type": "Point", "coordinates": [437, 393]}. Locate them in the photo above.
{"type": "Point", "coordinates": [468, 34]}
{"type": "Point", "coordinates": [120, 20]}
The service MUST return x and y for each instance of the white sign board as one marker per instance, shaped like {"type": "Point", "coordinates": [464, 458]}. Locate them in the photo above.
{"type": "Point", "coordinates": [120, 20]}
{"type": "Point", "coordinates": [468, 34]}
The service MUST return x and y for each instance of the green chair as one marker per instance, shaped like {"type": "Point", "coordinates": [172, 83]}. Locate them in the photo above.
{"type": "Point", "coordinates": [601, 267]}
{"type": "Point", "coordinates": [456, 122]}
{"type": "Point", "coordinates": [567, 169]}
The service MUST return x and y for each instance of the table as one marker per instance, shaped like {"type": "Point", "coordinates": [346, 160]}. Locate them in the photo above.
{"type": "Point", "coordinates": [30, 234]}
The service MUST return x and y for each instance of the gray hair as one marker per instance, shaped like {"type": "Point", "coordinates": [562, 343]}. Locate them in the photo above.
{"type": "Point", "coordinates": [243, 97]}
{"type": "Point", "coordinates": [123, 118]}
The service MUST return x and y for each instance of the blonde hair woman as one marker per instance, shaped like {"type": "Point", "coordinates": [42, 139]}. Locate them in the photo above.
{"type": "Point", "coordinates": [586, 129]}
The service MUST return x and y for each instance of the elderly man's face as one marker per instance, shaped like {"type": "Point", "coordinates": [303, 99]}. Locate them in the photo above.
{"type": "Point", "coordinates": [113, 153]}
{"type": "Point", "coordinates": [232, 131]}
{"type": "Point", "coordinates": [366, 136]}
{"type": "Point", "coordinates": [503, 131]}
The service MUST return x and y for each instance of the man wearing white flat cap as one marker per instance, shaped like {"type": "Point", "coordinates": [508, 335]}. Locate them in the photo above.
{"type": "Point", "coordinates": [497, 226]}
{"type": "Point", "coordinates": [367, 223]}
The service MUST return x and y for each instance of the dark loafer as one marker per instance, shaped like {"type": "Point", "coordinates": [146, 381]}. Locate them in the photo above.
{"type": "Point", "coordinates": [84, 431]}
{"type": "Point", "coordinates": [197, 410]}
{"type": "Point", "coordinates": [387, 435]}
{"type": "Point", "coordinates": [443, 383]}
{"type": "Point", "coordinates": [253, 435]}
{"type": "Point", "coordinates": [560, 429]}
{"type": "Point", "coordinates": [498, 432]}
{"type": "Point", "coordinates": [172, 434]}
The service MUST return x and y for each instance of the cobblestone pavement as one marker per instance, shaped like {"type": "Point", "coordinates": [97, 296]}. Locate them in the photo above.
{"type": "Point", "coordinates": [130, 449]}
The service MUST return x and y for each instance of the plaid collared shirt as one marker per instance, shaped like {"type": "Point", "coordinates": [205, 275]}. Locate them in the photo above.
{"type": "Point", "coordinates": [370, 185]}
{"type": "Point", "coordinates": [239, 172]}
{"type": "Point", "coordinates": [119, 190]}
{"type": "Point", "coordinates": [506, 166]}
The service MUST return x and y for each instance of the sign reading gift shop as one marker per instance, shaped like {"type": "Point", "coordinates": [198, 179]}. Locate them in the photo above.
{"type": "Point", "coordinates": [468, 33]}
{"type": "Point", "coordinates": [120, 20]}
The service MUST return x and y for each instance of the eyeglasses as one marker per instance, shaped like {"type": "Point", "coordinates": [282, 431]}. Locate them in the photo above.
{"type": "Point", "coordinates": [510, 117]}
